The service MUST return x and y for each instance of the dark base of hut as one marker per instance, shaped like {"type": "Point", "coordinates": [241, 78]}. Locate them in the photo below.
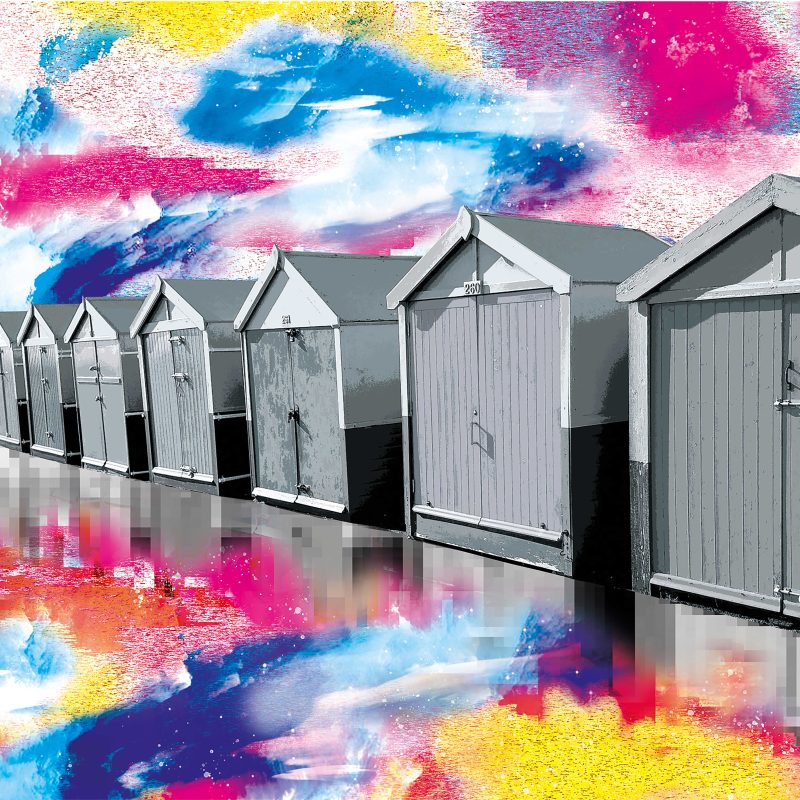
{"type": "Point", "coordinates": [23, 444]}
{"type": "Point", "coordinates": [598, 546]}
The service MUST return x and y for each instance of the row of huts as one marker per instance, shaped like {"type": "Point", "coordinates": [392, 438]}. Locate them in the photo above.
{"type": "Point", "coordinates": [478, 396]}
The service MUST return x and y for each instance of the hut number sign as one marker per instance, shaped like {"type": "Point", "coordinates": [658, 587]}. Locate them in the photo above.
{"type": "Point", "coordinates": [472, 287]}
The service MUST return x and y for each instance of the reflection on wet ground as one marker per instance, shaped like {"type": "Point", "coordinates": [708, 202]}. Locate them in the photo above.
{"type": "Point", "coordinates": [159, 644]}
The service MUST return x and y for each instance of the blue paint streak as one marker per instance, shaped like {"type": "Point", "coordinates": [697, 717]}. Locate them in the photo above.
{"type": "Point", "coordinates": [64, 54]}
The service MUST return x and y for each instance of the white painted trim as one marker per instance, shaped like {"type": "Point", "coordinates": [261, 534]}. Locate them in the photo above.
{"type": "Point", "coordinates": [209, 384]}
{"type": "Point", "coordinates": [40, 448]}
{"type": "Point", "coordinates": [162, 288]}
{"type": "Point", "coordinates": [565, 357]}
{"type": "Point", "coordinates": [734, 290]}
{"type": "Point", "coordinates": [93, 462]}
{"type": "Point", "coordinates": [459, 231]}
{"type": "Point", "coordinates": [372, 423]}
{"type": "Point", "coordinates": [8, 439]}
{"type": "Point", "coordinates": [48, 338]}
{"type": "Point", "coordinates": [76, 321]}
{"type": "Point", "coordinates": [443, 513]}
{"type": "Point", "coordinates": [324, 505]}
{"type": "Point", "coordinates": [198, 477]}
{"type": "Point", "coordinates": [146, 308]}
{"type": "Point", "coordinates": [528, 531]}
{"type": "Point", "coordinates": [402, 312]}
{"type": "Point", "coordinates": [775, 191]}
{"type": "Point", "coordinates": [522, 256]}
{"type": "Point", "coordinates": [25, 323]}
{"type": "Point", "coordinates": [337, 346]}
{"type": "Point", "coordinates": [713, 591]}
{"type": "Point", "coordinates": [259, 287]}
{"type": "Point", "coordinates": [121, 468]}
{"type": "Point", "coordinates": [272, 494]}
{"type": "Point", "coordinates": [639, 381]}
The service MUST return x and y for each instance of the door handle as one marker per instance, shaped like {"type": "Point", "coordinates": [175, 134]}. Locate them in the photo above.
{"type": "Point", "coordinates": [99, 399]}
{"type": "Point", "coordinates": [180, 376]}
{"type": "Point", "coordinates": [94, 369]}
{"type": "Point", "coordinates": [303, 487]}
{"type": "Point", "coordinates": [178, 339]}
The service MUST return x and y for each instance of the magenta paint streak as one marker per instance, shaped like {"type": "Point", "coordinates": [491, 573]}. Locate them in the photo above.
{"type": "Point", "coordinates": [35, 184]}
{"type": "Point", "coordinates": [691, 68]}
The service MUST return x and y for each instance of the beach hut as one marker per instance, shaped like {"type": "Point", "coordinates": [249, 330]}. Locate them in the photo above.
{"type": "Point", "coordinates": [13, 398]}
{"type": "Point", "coordinates": [50, 383]}
{"type": "Point", "coordinates": [715, 407]}
{"type": "Point", "coordinates": [108, 386]}
{"type": "Point", "coordinates": [323, 385]}
{"type": "Point", "coordinates": [191, 367]}
{"type": "Point", "coordinates": [514, 357]}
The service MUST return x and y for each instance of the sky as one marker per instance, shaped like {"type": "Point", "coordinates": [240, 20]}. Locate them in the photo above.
{"type": "Point", "coordinates": [185, 139]}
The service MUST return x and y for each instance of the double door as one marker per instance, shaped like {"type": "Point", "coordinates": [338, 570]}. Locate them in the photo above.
{"type": "Point", "coordinates": [725, 447]}
{"type": "Point", "coordinates": [177, 392]}
{"type": "Point", "coordinates": [101, 403]}
{"type": "Point", "coordinates": [9, 415]}
{"type": "Point", "coordinates": [47, 415]}
{"type": "Point", "coordinates": [297, 441]}
{"type": "Point", "coordinates": [486, 411]}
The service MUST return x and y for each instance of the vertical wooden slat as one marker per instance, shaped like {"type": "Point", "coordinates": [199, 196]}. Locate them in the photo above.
{"type": "Point", "coordinates": [707, 477]}
{"type": "Point", "coordinates": [722, 358]}
{"type": "Point", "coordinates": [736, 452]}
{"type": "Point", "coordinates": [693, 443]}
{"type": "Point", "coordinates": [679, 394]}
{"type": "Point", "coordinates": [752, 424]}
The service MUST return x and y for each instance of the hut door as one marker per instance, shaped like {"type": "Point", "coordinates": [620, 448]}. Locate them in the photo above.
{"type": "Point", "coordinates": [55, 418]}
{"type": "Point", "coordinates": [113, 402]}
{"type": "Point", "coordinates": [10, 393]}
{"type": "Point", "coordinates": [789, 411]}
{"type": "Point", "coordinates": [163, 401]}
{"type": "Point", "coordinates": [445, 401]}
{"type": "Point", "coordinates": [271, 403]}
{"type": "Point", "coordinates": [89, 402]}
{"type": "Point", "coordinates": [38, 407]}
{"type": "Point", "coordinates": [520, 410]}
{"type": "Point", "coordinates": [192, 394]}
{"type": "Point", "coordinates": [319, 443]}
{"type": "Point", "coordinates": [716, 459]}
{"type": "Point", "coordinates": [6, 376]}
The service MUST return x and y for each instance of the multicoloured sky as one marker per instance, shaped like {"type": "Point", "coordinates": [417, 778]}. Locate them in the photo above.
{"type": "Point", "coordinates": [186, 138]}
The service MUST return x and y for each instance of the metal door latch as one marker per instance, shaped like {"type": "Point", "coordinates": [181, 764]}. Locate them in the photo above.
{"type": "Point", "coordinates": [783, 590]}
{"type": "Point", "coordinates": [95, 368]}
{"type": "Point", "coordinates": [303, 487]}
{"type": "Point", "coordinates": [292, 333]}
{"type": "Point", "coordinates": [180, 376]}
{"type": "Point", "coordinates": [99, 399]}
{"type": "Point", "coordinates": [44, 381]}
{"type": "Point", "coordinates": [294, 413]}
{"type": "Point", "coordinates": [50, 435]}
{"type": "Point", "coordinates": [190, 470]}
{"type": "Point", "coordinates": [779, 403]}
{"type": "Point", "coordinates": [178, 339]}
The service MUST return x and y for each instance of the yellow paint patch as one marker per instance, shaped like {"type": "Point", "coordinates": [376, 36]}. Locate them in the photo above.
{"type": "Point", "coordinates": [584, 752]}
{"type": "Point", "coordinates": [199, 29]}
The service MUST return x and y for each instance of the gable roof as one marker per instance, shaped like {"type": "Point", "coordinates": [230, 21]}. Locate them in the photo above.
{"type": "Point", "coordinates": [203, 301]}
{"type": "Point", "coordinates": [554, 252]}
{"type": "Point", "coordinates": [10, 323]}
{"type": "Point", "coordinates": [57, 317]}
{"type": "Point", "coordinates": [353, 286]}
{"type": "Point", "coordinates": [775, 191]}
{"type": "Point", "coordinates": [118, 313]}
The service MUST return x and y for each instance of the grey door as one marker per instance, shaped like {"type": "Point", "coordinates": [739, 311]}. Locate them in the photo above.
{"type": "Point", "coordinates": [520, 409]}
{"type": "Point", "coordinates": [319, 437]}
{"type": "Point", "coordinates": [192, 399]}
{"type": "Point", "coordinates": [89, 402]}
{"type": "Point", "coordinates": [36, 397]}
{"type": "Point", "coordinates": [446, 420]}
{"type": "Point", "coordinates": [51, 383]}
{"type": "Point", "coordinates": [162, 401]}
{"type": "Point", "coordinates": [113, 402]}
{"type": "Point", "coordinates": [716, 443]}
{"type": "Point", "coordinates": [271, 400]}
{"type": "Point", "coordinates": [7, 410]}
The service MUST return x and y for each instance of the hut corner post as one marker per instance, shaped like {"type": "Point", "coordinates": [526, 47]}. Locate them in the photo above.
{"type": "Point", "coordinates": [639, 377]}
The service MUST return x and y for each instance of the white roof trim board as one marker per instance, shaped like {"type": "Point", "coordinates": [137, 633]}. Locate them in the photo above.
{"type": "Point", "coordinates": [523, 242]}
{"type": "Point", "coordinates": [29, 317]}
{"type": "Point", "coordinates": [161, 288]}
{"type": "Point", "coordinates": [76, 321]}
{"type": "Point", "coordinates": [259, 287]}
{"type": "Point", "coordinates": [776, 191]}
